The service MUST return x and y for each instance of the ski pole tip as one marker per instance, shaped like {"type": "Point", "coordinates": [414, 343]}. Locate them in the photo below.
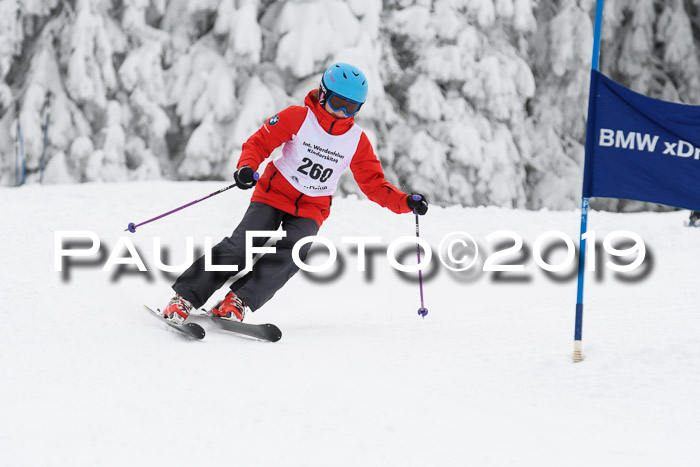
{"type": "Point", "coordinates": [422, 312]}
{"type": "Point", "coordinates": [131, 228]}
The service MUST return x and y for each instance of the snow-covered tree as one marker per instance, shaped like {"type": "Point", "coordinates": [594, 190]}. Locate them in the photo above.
{"type": "Point", "coordinates": [459, 74]}
{"type": "Point", "coordinates": [560, 54]}
{"type": "Point", "coordinates": [470, 101]}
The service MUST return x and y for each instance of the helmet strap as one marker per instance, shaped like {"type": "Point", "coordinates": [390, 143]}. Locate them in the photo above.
{"type": "Point", "coordinates": [322, 93]}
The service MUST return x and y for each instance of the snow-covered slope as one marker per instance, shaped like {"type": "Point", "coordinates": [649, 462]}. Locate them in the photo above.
{"type": "Point", "coordinates": [87, 378]}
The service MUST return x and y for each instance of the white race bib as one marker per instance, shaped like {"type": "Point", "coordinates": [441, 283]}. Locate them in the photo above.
{"type": "Point", "coordinates": [313, 160]}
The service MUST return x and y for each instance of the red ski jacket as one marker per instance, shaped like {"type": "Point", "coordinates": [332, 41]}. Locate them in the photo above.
{"type": "Point", "coordinates": [274, 189]}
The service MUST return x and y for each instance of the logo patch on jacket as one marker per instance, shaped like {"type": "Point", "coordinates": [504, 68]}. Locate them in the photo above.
{"type": "Point", "coordinates": [273, 120]}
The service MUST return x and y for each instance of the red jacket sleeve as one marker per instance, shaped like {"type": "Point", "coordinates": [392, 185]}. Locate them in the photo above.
{"type": "Point", "coordinates": [369, 175]}
{"type": "Point", "coordinates": [275, 131]}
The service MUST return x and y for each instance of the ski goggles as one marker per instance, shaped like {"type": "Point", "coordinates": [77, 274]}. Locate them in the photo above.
{"type": "Point", "coordinates": [338, 103]}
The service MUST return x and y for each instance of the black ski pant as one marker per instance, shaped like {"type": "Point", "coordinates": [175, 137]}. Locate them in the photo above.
{"type": "Point", "coordinates": [269, 274]}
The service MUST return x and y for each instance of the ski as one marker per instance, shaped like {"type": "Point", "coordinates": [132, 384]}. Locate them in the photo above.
{"type": "Point", "coordinates": [267, 332]}
{"type": "Point", "coordinates": [192, 330]}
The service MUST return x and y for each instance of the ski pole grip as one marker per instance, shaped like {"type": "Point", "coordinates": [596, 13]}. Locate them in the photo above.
{"type": "Point", "coordinates": [416, 198]}
{"type": "Point", "coordinates": [256, 177]}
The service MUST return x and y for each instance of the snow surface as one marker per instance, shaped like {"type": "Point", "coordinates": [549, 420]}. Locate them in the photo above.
{"type": "Point", "coordinates": [89, 379]}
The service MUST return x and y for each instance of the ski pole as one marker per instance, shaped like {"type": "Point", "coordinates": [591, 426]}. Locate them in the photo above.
{"type": "Point", "coordinates": [422, 311]}
{"type": "Point", "coordinates": [132, 226]}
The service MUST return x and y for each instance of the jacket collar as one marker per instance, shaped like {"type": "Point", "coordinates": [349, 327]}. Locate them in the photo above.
{"type": "Point", "coordinates": [332, 125]}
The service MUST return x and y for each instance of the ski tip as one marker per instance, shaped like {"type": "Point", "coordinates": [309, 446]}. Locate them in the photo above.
{"type": "Point", "coordinates": [196, 330]}
{"type": "Point", "coordinates": [274, 332]}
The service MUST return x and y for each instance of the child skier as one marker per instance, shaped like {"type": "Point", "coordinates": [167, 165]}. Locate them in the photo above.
{"type": "Point", "coordinates": [320, 140]}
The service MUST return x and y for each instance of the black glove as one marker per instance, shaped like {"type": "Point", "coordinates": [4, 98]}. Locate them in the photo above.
{"type": "Point", "coordinates": [245, 177]}
{"type": "Point", "coordinates": [417, 203]}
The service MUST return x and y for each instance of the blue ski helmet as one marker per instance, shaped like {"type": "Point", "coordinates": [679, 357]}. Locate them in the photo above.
{"type": "Point", "coordinates": [344, 80]}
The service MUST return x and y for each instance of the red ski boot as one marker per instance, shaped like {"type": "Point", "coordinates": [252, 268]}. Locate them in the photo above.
{"type": "Point", "coordinates": [232, 307]}
{"type": "Point", "coordinates": [177, 310]}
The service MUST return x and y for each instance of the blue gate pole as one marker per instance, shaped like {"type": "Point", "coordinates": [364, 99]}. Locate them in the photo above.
{"type": "Point", "coordinates": [578, 328]}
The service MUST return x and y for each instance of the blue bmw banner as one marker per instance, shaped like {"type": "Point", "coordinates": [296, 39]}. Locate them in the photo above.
{"type": "Point", "coordinates": [642, 148]}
